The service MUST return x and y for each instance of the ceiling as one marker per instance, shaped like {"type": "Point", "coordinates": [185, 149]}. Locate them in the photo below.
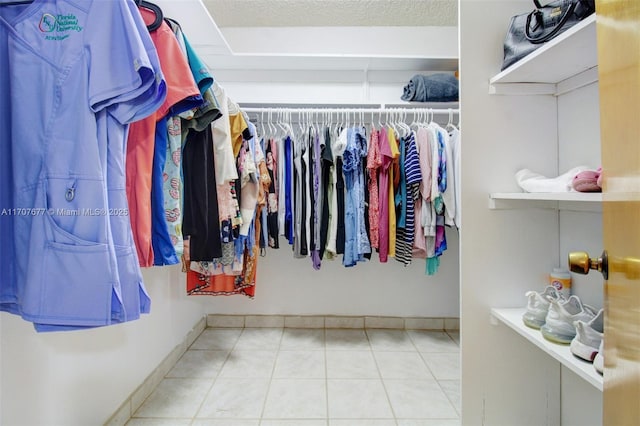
{"type": "Point", "coordinates": [333, 13]}
{"type": "Point", "coordinates": [315, 38]}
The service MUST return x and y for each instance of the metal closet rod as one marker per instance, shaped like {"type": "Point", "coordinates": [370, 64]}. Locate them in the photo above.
{"type": "Point", "coordinates": [350, 110]}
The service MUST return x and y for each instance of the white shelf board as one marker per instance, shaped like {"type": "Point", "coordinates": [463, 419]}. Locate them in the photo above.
{"type": "Point", "coordinates": [588, 197]}
{"type": "Point", "coordinates": [575, 201]}
{"type": "Point", "coordinates": [570, 54]}
{"type": "Point", "coordinates": [512, 317]}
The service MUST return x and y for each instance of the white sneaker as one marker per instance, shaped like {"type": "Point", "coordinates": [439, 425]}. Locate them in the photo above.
{"type": "Point", "coordinates": [558, 326]}
{"type": "Point", "coordinates": [588, 337]}
{"type": "Point", "coordinates": [598, 361]}
{"type": "Point", "coordinates": [538, 306]}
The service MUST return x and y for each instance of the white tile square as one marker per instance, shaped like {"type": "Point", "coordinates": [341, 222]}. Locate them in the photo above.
{"type": "Point", "coordinates": [217, 339]}
{"type": "Point", "coordinates": [302, 338]}
{"type": "Point", "coordinates": [294, 398]}
{"type": "Point", "coordinates": [259, 338]}
{"type": "Point", "coordinates": [444, 366]}
{"type": "Point", "coordinates": [304, 322]}
{"type": "Point", "coordinates": [362, 422]}
{"type": "Point", "coordinates": [419, 399]}
{"type": "Point", "coordinates": [264, 321]}
{"type": "Point", "coordinates": [175, 398]}
{"type": "Point", "coordinates": [300, 365]}
{"type": "Point", "coordinates": [200, 364]}
{"type": "Point", "coordinates": [249, 364]}
{"type": "Point", "coordinates": [351, 365]}
{"type": "Point", "coordinates": [337, 339]}
{"type": "Point", "coordinates": [344, 322]}
{"type": "Point", "coordinates": [358, 399]}
{"type": "Point", "coordinates": [235, 399]}
{"type": "Point", "coordinates": [390, 340]}
{"type": "Point", "coordinates": [297, 422]}
{"type": "Point", "coordinates": [433, 341]}
{"type": "Point", "coordinates": [402, 365]}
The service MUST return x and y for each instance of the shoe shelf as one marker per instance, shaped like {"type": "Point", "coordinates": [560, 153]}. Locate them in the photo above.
{"type": "Point", "coordinates": [563, 64]}
{"type": "Point", "coordinates": [581, 201]}
{"type": "Point", "coordinates": [512, 317]}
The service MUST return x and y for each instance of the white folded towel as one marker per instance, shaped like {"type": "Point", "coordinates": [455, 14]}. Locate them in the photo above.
{"type": "Point", "coordinates": [534, 182]}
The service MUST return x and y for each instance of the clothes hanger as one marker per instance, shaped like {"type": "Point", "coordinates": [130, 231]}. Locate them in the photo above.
{"type": "Point", "coordinates": [173, 21]}
{"type": "Point", "coordinates": [450, 126]}
{"type": "Point", "coordinates": [394, 122]}
{"type": "Point", "coordinates": [272, 128]}
{"type": "Point", "coordinates": [262, 131]}
{"type": "Point", "coordinates": [403, 124]}
{"type": "Point", "coordinates": [159, 16]}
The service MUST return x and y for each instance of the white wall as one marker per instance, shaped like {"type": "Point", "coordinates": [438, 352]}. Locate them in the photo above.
{"type": "Point", "coordinates": [579, 137]}
{"type": "Point", "coordinates": [317, 87]}
{"type": "Point", "coordinates": [82, 377]}
{"type": "Point", "coordinates": [289, 286]}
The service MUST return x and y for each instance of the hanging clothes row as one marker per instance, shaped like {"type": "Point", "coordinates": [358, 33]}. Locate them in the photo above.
{"type": "Point", "coordinates": [349, 181]}
{"type": "Point", "coordinates": [192, 181]}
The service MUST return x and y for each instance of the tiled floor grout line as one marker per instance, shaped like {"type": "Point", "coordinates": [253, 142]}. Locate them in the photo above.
{"type": "Point", "coordinates": [215, 379]}
{"type": "Point", "coordinates": [386, 392]}
{"type": "Point", "coordinates": [422, 356]}
{"type": "Point", "coordinates": [326, 375]}
{"type": "Point", "coordinates": [273, 369]}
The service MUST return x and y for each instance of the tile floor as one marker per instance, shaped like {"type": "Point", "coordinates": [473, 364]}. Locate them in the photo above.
{"type": "Point", "coordinates": [310, 377]}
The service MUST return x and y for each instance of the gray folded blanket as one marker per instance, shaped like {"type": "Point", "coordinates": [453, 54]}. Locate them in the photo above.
{"type": "Point", "coordinates": [431, 88]}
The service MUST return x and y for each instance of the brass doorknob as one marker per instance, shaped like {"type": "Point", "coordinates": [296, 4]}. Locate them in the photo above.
{"type": "Point", "coordinates": [581, 263]}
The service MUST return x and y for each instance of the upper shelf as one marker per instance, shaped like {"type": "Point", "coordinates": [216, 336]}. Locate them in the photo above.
{"type": "Point", "coordinates": [562, 64]}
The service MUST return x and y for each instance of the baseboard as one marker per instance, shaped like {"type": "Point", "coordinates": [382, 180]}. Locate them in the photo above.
{"type": "Point", "coordinates": [135, 400]}
{"type": "Point", "coordinates": [330, 321]}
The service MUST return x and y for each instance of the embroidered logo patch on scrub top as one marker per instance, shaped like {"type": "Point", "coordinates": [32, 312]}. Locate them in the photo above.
{"type": "Point", "coordinates": [61, 24]}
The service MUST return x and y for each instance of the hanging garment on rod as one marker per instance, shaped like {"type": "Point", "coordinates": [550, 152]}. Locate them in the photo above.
{"type": "Point", "coordinates": [198, 119]}
{"type": "Point", "coordinates": [147, 151]}
{"type": "Point", "coordinates": [72, 265]}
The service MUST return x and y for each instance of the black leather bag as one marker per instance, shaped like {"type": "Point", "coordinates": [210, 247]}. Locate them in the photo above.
{"type": "Point", "coordinates": [529, 31]}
